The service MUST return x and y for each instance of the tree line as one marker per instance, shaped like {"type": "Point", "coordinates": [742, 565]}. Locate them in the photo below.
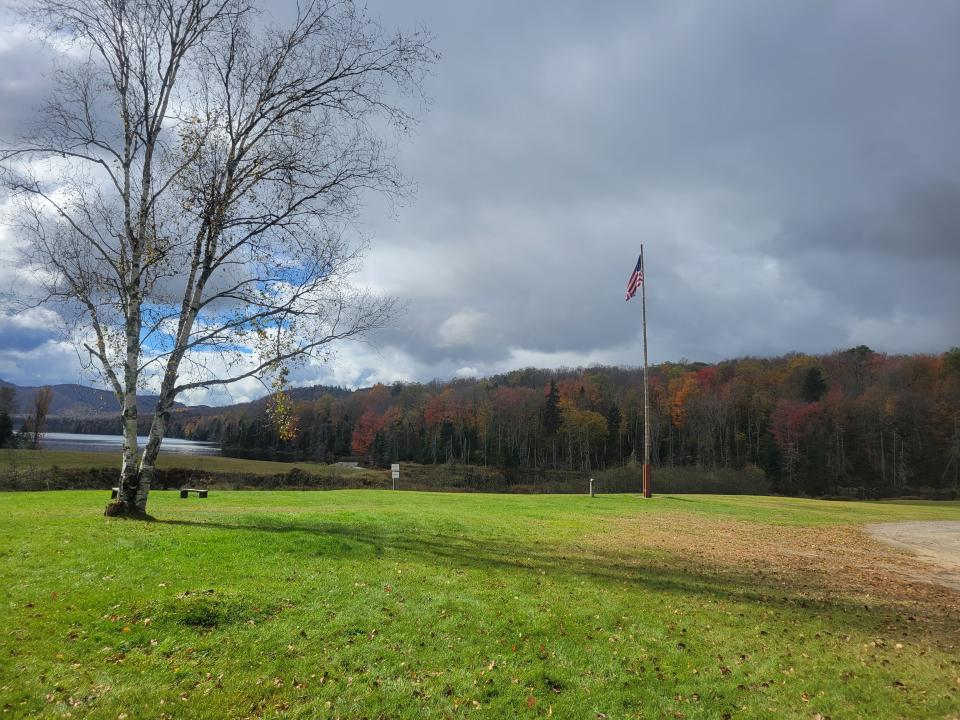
{"type": "Point", "coordinates": [852, 419]}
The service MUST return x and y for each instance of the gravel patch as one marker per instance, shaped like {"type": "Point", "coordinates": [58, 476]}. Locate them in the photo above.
{"type": "Point", "coordinates": [935, 542]}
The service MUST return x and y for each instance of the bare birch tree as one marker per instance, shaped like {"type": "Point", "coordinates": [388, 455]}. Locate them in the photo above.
{"type": "Point", "coordinates": [185, 193]}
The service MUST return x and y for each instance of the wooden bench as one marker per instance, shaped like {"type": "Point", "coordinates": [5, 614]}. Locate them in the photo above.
{"type": "Point", "coordinates": [184, 492]}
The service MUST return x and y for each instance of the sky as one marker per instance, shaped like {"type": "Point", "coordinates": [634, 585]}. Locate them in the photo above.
{"type": "Point", "coordinates": [792, 170]}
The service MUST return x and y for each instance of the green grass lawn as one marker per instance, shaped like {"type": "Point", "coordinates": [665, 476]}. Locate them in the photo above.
{"type": "Point", "coordinates": [369, 604]}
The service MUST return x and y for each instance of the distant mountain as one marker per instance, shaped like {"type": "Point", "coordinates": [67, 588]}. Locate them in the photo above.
{"type": "Point", "coordinates": [77, 401]}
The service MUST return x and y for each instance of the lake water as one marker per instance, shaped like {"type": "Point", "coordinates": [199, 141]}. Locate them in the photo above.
{"type": "Point", "coordinates": [113, 443]}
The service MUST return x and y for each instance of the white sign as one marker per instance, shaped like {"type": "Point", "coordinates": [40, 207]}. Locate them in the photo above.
{"type": "Point", "coordinates": [395, 474]}
{"type": "Point", "coordinates": [395, 467]}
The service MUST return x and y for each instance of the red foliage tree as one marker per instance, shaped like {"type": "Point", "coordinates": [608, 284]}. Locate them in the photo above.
{"type": "Point", "coordinates": [364, 432]}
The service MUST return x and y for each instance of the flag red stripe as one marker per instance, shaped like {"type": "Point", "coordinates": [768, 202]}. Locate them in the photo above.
{"type": "Point", "coordinates": [635, 279]}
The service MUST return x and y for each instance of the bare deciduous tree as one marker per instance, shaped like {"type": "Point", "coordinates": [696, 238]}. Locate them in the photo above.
{"type": "Point", "coordinates": [37, 422]}
{"type": "Point", "coordinates": [184, 196]}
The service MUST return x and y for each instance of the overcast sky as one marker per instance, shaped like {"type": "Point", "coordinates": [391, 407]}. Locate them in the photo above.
{"type": "Point", "coordinates": [792, 169]}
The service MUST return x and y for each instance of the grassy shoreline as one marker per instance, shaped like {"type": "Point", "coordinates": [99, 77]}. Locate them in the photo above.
{"type": "Point", "coordinates": [82, 460]}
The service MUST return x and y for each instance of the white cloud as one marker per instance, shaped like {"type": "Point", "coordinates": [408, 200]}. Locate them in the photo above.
{"type": "Point", "coordinates": [50, 363]}
{"type": "Point", "coordinates": [465, 327]}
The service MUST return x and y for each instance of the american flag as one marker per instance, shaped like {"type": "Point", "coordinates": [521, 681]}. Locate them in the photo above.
{"type": "Point", "coordinates": [635, 279]}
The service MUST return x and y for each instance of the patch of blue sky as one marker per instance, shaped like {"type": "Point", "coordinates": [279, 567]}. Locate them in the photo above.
{"type": "Point", "coordinates": [155, 340]}
{"type": "Point", "coordinates": [223, 347]}
{"type": "Point", "coordinates": [292, 275]}
{"type": "Point", "coordinates": [153, 337]}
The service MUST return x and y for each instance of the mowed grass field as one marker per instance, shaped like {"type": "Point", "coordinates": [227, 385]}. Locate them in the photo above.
{"type": "Point", "coordinates": [380, 604]}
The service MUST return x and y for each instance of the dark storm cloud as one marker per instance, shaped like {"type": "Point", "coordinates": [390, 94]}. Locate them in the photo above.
{"type": "Point", "coordinates": [23, 334]}
{"type": "Point", "coordinates": [24, 81]}
{"type": "Point", "coordinates": [791, 167]}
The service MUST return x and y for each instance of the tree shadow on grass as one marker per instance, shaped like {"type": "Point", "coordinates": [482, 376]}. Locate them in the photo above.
{"type": "Point", "coordinates": [651, 571]}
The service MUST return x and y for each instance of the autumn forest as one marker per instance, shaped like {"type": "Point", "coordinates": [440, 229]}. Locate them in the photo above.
{"type": "Point", "coordinates": [849, 421]}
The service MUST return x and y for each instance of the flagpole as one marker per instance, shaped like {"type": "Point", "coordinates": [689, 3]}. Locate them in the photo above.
{"type": "Point", "coordinates": [647, 489]}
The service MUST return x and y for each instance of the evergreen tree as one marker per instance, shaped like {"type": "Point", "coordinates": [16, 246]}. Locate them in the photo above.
{"type": "Point", "coordinates": [551, 411]}
{"type": "Point", "coordinates": [814, 385]}
{"type": "Point", "coordinates": [614, 418]}
{"type": "Point", "coordinates": [614, 446]}
{"type": "Point", "coordinates": [8, 405]}
{"type": "Point", "coordinates": [6, 428]}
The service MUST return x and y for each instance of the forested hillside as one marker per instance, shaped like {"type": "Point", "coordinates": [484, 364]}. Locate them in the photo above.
{"type": "Point", "coordinates": [850, 420]}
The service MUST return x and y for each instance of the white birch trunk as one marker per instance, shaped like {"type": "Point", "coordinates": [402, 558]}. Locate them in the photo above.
{"type": "Point", "coordinates": [130, 494]}
{"type": "Point", "coordinates": [148, 461]}
{"type": "Point", "coordinates": [128, 468]}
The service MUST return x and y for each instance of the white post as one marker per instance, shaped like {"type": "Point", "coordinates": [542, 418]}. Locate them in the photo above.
{"type": "Point", "coordinates": [591, 487]}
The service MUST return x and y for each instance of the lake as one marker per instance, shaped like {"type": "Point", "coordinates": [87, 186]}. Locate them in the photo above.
{"type": "Point", "coordinates": [113, 443]}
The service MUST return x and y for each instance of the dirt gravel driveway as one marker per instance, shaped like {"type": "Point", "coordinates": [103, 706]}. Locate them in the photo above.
{"type": "Point", "coordinates": [936, 542]}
